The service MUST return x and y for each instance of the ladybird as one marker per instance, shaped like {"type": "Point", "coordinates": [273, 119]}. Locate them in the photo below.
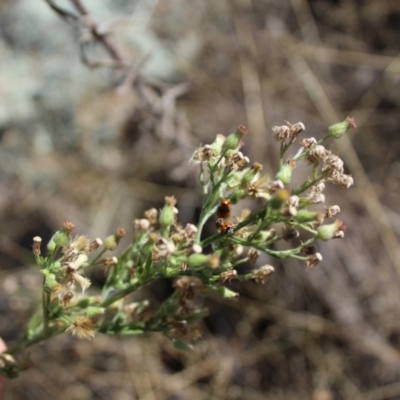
{"type": "Point", "coordinates": [225, 227]}
{"type": "Point", "coordinates": [224, 209]}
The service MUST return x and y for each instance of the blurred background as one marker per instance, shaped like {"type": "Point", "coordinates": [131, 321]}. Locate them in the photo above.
{"type": "Point", "coordinates": [97, 128]}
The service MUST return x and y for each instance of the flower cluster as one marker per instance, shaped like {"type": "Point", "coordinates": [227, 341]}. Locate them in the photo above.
{"type": "Point", "coordinates": [286, 224]}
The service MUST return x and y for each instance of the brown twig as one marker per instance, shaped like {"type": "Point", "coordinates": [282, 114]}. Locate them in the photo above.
{"type": "Point", "coordinates": [86, 21]}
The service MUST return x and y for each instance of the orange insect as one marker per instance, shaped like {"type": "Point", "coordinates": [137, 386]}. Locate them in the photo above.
{"type": "Point", "coordinates": [224, 209]}
{"type": "Point", "coordinates": [225, 227]}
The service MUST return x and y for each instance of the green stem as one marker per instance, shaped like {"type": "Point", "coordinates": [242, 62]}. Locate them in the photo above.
{"type": "Point", "coordinates": [121, 293]}
{"type": "Point", "coordinates": [45, 302]}
{"type": "Point", "coordinates": [309, 184]}
{"type": "Point", "coordinates": [41, 337]}
{"type": "Point", "coordinates": [97, 257]}
{"type": "Point", "coordinates": [209, 207]}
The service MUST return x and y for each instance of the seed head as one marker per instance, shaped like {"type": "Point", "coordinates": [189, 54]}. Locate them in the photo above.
{"type": "Point", "coordinates": [37, 241]}
{"type": "Point", "coordinates": [260, 275]}
{"type": "Point", "coordinates": [82, 327]}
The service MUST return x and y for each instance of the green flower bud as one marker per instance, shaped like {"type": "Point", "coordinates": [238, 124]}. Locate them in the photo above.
{"type": "Point", "coordinates": [251, 173]}
{"type": "Point", "coordinates": [167, 214]}
{"type": "Point", "coordinates": [50, 281]}
{"type": "Point", "coordinates": [51, 246]}
{"type": "Point", "coordinates": [337, 130]}
{"type": "Point", "coordinates": [60, 238]}
{"type": "Point", "coordinates": [326, 232]}
{"type": "Point", "coordinates": [110, 243]}
{"type": "Point", "coordinates": [304, 216]}
{"type": "Point", "coordinates": [197, 260]}
{"type": "Point", "coordinates": [218, 143]}
{"type": "Point", "coordinates": [285, 173]}
{"type": "Point", "coordinates": [232, 142]}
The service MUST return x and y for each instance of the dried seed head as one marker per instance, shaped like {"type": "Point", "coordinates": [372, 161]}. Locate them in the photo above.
{"type": "Point", "coordinates": [318, 187]}
{"type": "Point", "coordinates": [202, 154]}
{"type": "Point", "coordinates": [151, 215]}
{"type": "Point", "coordinates": [95, 244]}
{"type": "Point", "coordinates": [316, 198]}
{"type": "Point", "coordinates": [78, 262]}
{"type": "Point", "coordinates": [227, 275]}
{"type": "Point", "coordinates": [333, 163]}
{"type": "Point", "coordinates": [252, 255]}
{"type": "Point", "coordinates": [307, 143]}
{"type": "Point", "coordinates": [313, 260]}
{"type": "Point", "coordinates": [37, 241]}
{"type": "Point", "coordinates": [81, 243]}
{"type": "Point", "coordinates": [344, 181]}
{"type": "Point", "coordinates": [296, 129]}
{"type": "Point", "coordinates": [190, 231]}
{"type": "Point", "coordinates": [142, 224]}
{"type": "Point", "coordinates": [281, 133]}
{"type": "Point", "coordinates": [275, 185]}
{"type": "Point", "coordinates": [331, 211]}
{"type": "Point", "coordinates": [82, 327]}
{"type": "Point", "coordinates": [238, 161]}
{"type": "Point", "coordinates": [260, 275]}
{"type": "Point", "coordinates": [83, 282]}
{"type": "Point", "coordinates": [338, 235]}
{"type": "Point", "coordinates": [109, 263]}
{"type": "Point", "coordinates": [316, 154]}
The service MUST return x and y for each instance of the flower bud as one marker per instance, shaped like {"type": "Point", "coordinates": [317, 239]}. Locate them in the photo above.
{"type": "Point", "coordinates": [285, 174]}
{"type": "Point", "coordinates": [218, 143]}
{"type": "Point", "coordinates": [304, 215]}
{"type": "Point", "coordinates": [51, 246]}
{"type": "Point", "coordinates": [60, 238]}
{"type": "Point", "coordinates": [326, 232]}
{"type": "Point", "coordinates": [337, 130]}
{"type": "Point", "coordinates": [197, 260]}
{"type": "Point", "coordinates": [232, 142]}
{"type": "Point", "coordinates": [251, 173]}
{"type": "Point", "coordinates": [167, 214]}
{"type": "Point", "coordinates": [110, 243]}
{"type": "Point", "coordinates": [50, 281]}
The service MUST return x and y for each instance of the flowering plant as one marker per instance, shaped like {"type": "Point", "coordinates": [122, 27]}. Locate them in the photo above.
{"type": "Point", "coordinates": [200, 266]}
